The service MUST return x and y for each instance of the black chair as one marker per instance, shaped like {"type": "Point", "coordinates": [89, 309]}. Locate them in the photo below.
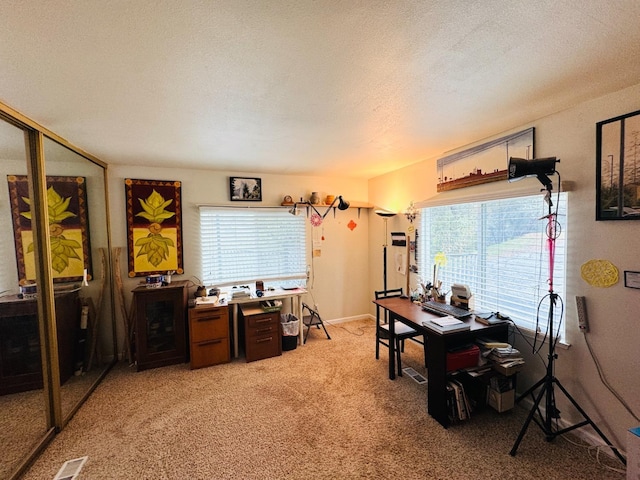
{"type": "Point", "coordinates": [311, 319]}
{"type": "Point", "coordinates": [402, 331]}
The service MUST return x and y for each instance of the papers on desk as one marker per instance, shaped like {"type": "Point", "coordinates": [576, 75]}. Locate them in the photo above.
{"type": "Point", "coordinates": [213, 301]}
{"type": "Point", "coordinates": [446, 324]}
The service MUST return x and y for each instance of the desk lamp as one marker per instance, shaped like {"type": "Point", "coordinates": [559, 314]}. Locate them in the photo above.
{"type": "Point", "coordinates": [541, 168]}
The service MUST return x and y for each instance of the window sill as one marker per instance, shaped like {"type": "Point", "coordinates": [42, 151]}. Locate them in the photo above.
{"type": "Point", "coordinates": [530, 335]}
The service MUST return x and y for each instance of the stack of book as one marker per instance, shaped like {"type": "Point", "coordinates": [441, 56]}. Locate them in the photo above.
{"type": "Point", "coordinates": [446, 324]}
{"type": "Point", "coordinates": [491, 318]}
{"type": "Point", "coordinates": [503, 357]}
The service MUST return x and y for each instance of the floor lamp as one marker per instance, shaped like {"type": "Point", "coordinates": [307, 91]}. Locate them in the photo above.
{"type": "Point", "coordinates": [520, 168]}
{"type": "Point", "coordinates": [385, 216]}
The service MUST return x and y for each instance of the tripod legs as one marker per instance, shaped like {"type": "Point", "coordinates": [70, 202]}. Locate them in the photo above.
{"type": "Point", "coordinates": [545, 423]}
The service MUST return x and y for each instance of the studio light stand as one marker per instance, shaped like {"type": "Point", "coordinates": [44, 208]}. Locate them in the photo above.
{"type": "Point", "coordinates": [519, 168]}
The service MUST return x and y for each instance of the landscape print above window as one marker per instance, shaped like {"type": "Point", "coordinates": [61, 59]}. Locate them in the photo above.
{"type": "Point", "coordinates": [484, 163]}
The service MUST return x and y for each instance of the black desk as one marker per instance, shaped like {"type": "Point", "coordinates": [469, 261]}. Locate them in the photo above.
{"type": "Point", "coordinates": [437, 344]}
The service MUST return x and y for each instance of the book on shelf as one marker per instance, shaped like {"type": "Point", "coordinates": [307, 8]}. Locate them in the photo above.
{"type": "Point", "coordinates": [458, 401]}
{"type": "Point", "coordinates": [488, 343]}
{"type": "Point", "coordinates": [446, 324]}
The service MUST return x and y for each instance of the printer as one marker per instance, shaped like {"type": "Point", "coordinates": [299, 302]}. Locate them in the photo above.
{"type": "Point", "coordinates": [461, 296]}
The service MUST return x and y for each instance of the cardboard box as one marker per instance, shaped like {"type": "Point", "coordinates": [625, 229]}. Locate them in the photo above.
{"type": "Point", "coordinates": [501, 401]}
{"type": "Point", "coordinates": [507, 371]}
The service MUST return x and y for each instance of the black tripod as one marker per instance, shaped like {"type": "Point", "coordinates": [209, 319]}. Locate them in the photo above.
{"type": "Point", "coordinates": [546, 421]}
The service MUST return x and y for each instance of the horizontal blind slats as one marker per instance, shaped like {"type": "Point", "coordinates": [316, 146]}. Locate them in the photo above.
{"type": "Point", "coordinates": [240, 246]}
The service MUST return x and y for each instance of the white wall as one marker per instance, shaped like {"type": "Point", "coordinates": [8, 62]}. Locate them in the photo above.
{"type": "Point", "coordinates": [613, 312]}
{"type": "Point", "coordinates": [339, 276]}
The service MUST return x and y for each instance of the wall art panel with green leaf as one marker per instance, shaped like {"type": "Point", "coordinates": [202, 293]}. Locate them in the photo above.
{"type": "Point", "coordinates": [154, 226]}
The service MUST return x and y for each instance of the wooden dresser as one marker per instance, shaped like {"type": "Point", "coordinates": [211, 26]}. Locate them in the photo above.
{"type": "Point", "coordinates": [209, 335]}
{"type": "Point", "coordinates": [20, 360]}
{"type": "Point", "coordinates": [260, 332]}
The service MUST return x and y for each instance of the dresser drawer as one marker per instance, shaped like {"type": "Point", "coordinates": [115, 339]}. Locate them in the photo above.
{"type": "Point", "coordinates": [262, 320]}
{"type": "Point", "coordinates": [210, 352]}
{"type": "Point", "coordinates": [209, 323]}
{"type": "Point", "coordinates": [262, 346]}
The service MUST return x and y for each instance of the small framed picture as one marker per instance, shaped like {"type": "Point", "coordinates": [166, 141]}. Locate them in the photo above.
{"type": "Point", "coordinates": [631, 279]}
{"type": "Point", "coordinates": [245, 189]}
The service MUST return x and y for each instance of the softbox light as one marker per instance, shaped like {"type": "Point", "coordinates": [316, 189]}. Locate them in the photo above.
{"type": "Point", "coordinates": [538, 167]}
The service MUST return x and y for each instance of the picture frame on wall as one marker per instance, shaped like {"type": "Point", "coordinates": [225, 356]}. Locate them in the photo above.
{"type": "Point", "coordinates": [68, 228]}
{"type": "Point", "coordinates": [618, 168]}
{"type": "Point", "coordinates": [245, 189]}
{"type": "Point", "coordinates": [154, 226]}
{"type": "Point", "coordinates": [484, 163]}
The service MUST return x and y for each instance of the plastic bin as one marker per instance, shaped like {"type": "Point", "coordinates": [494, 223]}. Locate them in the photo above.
{"type": "Point", "coordinates": [290, 331]}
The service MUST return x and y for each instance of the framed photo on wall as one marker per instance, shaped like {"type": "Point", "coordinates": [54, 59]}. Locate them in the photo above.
{"type": "Point", "coordinates": [618, 168]}
{"type": "Point", "coordinates": [154, 226]}
{"type": "Point", "coordinates": [68, 228]}
{"type": "Point", "coordinates": [245, 189]}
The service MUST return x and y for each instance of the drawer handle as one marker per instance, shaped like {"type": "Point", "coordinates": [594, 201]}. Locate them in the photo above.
{"type": "Point", "coordinates": [210, 319]}
{"type": "Point", "coordinates": [262, 340]}
{"type": "Point", "coordinates": [209, 342]}
{"type": "Point", "coordinates": [263, 330]}
{"type": "Point", "coordinates": [263, 320]}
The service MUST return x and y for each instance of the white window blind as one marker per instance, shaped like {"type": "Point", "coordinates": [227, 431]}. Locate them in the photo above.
{"type": "Point", "coordinates": [245, 245]}
{"type": "Point", "coordinates": [499, 248]}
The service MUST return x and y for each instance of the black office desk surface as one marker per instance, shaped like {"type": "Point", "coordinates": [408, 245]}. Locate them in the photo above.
{"type": "Point", "coordinates": [437, 344]}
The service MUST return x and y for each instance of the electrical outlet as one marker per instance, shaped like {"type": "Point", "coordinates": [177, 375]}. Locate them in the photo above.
{"type": "Point", "coordinates": [581, 307]}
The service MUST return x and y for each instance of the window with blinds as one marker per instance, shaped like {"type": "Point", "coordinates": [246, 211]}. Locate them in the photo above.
{"type": "Point", "coordinates": [500, 249]}
{"type": "Point", "coordinates": [244, 245]}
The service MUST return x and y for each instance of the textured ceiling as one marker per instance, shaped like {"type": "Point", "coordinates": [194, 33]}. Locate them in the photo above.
{"type": "Point", "coordinates": [340, 88]}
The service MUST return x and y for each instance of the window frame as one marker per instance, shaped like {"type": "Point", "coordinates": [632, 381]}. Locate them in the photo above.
{"type": "Point", "coordinates": [276, 232]}
{"type": "Point", "coordinates": [540, 320]}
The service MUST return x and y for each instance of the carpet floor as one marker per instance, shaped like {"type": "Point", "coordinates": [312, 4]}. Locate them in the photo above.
{"type": "Point", "coordinates": [325, 410]}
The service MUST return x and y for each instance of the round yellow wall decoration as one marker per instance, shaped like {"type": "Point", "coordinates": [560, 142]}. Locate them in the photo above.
{"type": "Point", "coordinates": [599, 273]}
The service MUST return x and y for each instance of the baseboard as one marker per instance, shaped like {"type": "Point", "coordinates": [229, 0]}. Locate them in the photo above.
{"type": "Point", "coordinates": [335, 321]}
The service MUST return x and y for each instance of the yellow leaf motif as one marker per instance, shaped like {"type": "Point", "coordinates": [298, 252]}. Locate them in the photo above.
{"type": "Point", "coordinates": [62, 249]}
{"type": "Point", "coordinates": [154, 208]}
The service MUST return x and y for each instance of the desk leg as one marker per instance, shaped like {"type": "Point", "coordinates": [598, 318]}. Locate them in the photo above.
{"type": "Point", "coordinates": [236, 349]}
{"type": "Point", "coordinates": [298, 301]}
{"type": "Point", "coordinates": [392, 347]}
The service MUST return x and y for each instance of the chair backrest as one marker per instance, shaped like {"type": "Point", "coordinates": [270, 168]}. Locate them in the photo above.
{"type": "Point", "coordinates": [315, 316]}
{"type": "Point", "coordinates": [394, 292]}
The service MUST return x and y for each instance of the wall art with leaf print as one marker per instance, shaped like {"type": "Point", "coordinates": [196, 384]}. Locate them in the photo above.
{"type": "Point", "coordinates": [68, 228]}
{"type": "Point", "coordinates": [154, 226]}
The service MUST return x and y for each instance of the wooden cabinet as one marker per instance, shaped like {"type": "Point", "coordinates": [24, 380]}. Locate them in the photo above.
{"type": "Point", "coordinates": [260, 332]}
{"type": "Point", "coordinates": [160, 325]}
{"type": "Point", "coordinates": [20, 364]}
{"type": "Point", "coordinates": [209, 336]}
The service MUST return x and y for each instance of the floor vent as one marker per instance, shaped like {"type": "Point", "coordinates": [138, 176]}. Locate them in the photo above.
{"type": "Point", "coordinates": [70, 469]}
{"type": "Point", "coordinates": [415, 375]}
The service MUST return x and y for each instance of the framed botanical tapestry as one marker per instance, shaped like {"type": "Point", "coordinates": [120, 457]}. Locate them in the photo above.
{"type": "Point", "coordinates": [68, 228]}
{"type": "Point", "coordinates": [154, 226]}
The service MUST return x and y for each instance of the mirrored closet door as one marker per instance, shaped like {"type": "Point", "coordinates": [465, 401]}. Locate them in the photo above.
{"type": "Point", "coordinates": [23, 415]}
{"type": "Point", "coordinates": [57, 331]}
